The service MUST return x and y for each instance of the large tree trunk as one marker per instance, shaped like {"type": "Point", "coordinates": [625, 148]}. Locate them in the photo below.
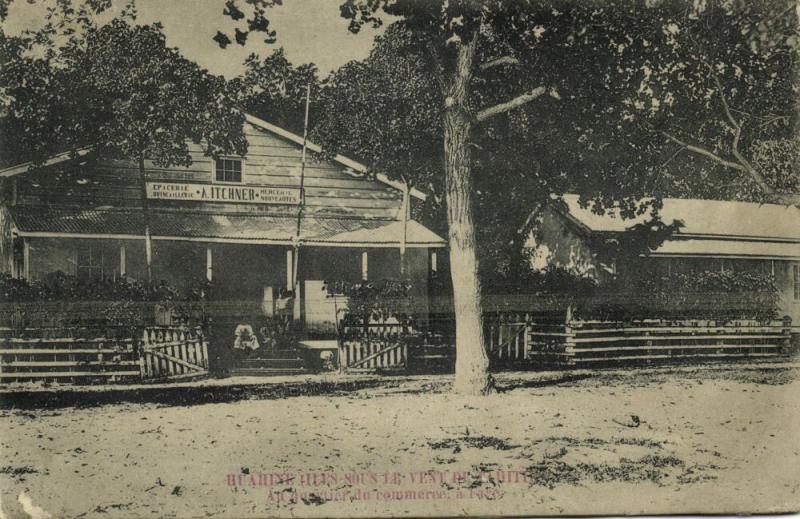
{"type": "Point", "coordinates": [472, 361]}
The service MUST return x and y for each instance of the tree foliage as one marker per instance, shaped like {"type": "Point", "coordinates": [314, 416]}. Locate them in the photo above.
{"type": "Point", "coordinates": [117, 87]}
{"type": "Point", "coordinates": [385, 112]}
{"type": "Point", "coordinates": [712, 80]}
{"type": "Point", "coordinates": [274, 89]}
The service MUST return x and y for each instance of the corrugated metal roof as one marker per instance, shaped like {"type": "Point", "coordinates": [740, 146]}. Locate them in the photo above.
{"type": "Point", "coordinates": [729, 248]}
{"type": "Point", "coordinates": [34, 221]}
{"type": "Point", "coordinates": [704, 217]}
{"type": "Point", "coordinates": [42, 219]}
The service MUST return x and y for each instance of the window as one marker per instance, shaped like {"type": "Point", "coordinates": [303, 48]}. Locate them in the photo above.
{"type": "Point", "coordinates": [796, 273]}
{"type": "Point", "coordinates": [90, 264]}
{"type": "Point", "coordinates": [228, 170]}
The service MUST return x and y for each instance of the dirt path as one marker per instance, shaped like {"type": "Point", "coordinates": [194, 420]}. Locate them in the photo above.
{"type": "Point", "coordinates": [651, 442]}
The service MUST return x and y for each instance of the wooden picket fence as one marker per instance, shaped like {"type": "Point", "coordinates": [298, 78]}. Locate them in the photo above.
{"type": "Point", "coordinates": [47, 355]}
{"type": "Point", "coordinates": [172, 353]}
{"type": "Point", "coordinates": [374, 346]}
{"type": "Point", "coordinates": [526, 340]}
{"type": "Point", "coordinates": [89, 356]}
{"type": "Point", "coordinates": [391, 346]}
{"type": "Point", "coordinates": [373, 355]}
{"type": "Point", "coordinates": [508, 335]}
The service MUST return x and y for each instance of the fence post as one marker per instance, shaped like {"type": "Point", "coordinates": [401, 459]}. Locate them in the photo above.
{"type": "Point", "coordinates": [787, 336]}
{"type": "Point", "coordinates": [569, 336]}
{"type": "Point", "coordinates": [492, 334]}
{"type": "Point", "coordinates": [141, 350]}
{"type": "Point", "coordinates": [501, 327]}
{"type": "Point", "coordinates": [526, 337]}
{"type": "Point", "coordinates": [204, 346]}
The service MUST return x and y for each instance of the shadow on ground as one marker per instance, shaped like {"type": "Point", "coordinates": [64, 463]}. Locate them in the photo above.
{"type": "Point", "coordinates": [182, 395]}
{"type": "Point", "coordinates": [566, 378]}
{"type": "Point", "coordinates": [198, 394]}
{"type": "Point", "coordinates": [215, 392]}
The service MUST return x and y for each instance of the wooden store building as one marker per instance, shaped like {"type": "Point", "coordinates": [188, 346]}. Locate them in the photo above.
{"type": "Point", "coordinates": [716, 235]}
{"type": "Point", "coordinates": [231, 220]}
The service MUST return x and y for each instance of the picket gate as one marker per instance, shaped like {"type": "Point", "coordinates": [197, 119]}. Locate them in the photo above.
{"type": "Point", "coordinates": [173, 353]}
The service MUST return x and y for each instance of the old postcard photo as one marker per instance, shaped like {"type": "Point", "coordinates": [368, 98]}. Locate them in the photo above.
{"type": "Point", "coordinates": [399, 258]}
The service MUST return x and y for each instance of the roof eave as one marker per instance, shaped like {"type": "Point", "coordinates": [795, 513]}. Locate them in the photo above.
{"type": "Point", "coordinates": [19, 169]}
{"type": "Point", "coordinates": [341, 159]}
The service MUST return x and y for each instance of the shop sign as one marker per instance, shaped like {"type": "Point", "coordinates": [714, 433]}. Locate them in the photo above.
{"type": "Point", "coordinates": [223, 193]}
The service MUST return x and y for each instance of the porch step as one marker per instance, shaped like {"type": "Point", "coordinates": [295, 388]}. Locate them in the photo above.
{"type": "Point", "coordinates": [271, 363]}
{"type": "Point", "coordinates": [265, 372]}
{"type": "Point", "coordinates": [266, 353]}
{"type": "Point", "coordinates": [268, 367]}
{"type": "Point", "coordinates": [428, 351]}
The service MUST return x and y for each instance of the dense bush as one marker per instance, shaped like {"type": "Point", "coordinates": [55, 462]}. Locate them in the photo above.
{"type": "Point", "coordinates": [718, 295]}
{"type": "Point", "coordinates": [375, 300]}
{"type": "Point", "coordinates": [63, 300]}
{"type": "Point", "coordinates": [58, 286]}
{"type": "Point", "coordinates": [551, 280]}
{"type": "Point", "coordinates": [708, 295]}
{"type": "Point", "coordinates": [713, 295]}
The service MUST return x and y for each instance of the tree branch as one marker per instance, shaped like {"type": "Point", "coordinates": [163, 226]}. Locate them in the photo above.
{"type": "Point", "coordinates": [737, 127]}
{"type": "Point", "coordinates": [742, 165]}
{"type": "Point", "coordinates": [754, 173]}
{"type": "Point", "coordinates": [496, 62]}
{"type": "Point", "coordinates": [704, 152]}
{"type": "Point", "coordinates": [514, 103]}
{"type": "Point", "coordinates": [725, 106]}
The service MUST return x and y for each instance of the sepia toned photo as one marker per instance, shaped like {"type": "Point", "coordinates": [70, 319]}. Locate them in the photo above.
{"type": "Point", "coordinates": [399, 258]}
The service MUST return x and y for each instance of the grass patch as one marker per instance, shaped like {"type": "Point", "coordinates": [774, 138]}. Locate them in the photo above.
{"type": "Point", "coordinates": [18, 471]}
{"type": "Point", "coordinates": [653, 468]}
{"type": "Point", "coordinates": [476, 442]}
{"type": "Point", "coordinates": [597, 442]}
{"type": "Point", "coordinates": [552, 473]}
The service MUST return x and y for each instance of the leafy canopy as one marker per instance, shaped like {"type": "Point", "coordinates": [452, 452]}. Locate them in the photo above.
{"type": "Point", "coordinates": [116, 87]}
{"type": "Point", "coordinates": [274, 89]}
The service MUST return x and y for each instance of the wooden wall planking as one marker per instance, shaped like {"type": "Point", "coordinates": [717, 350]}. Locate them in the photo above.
{"type": "Point", "coordinates": [271, 161]}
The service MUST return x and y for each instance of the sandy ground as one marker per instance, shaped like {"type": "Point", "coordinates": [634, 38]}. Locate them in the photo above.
{"type": "Point", "coordinates": [654, 442]}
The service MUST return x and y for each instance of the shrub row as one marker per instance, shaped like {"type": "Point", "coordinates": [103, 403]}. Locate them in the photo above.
{"type": "Point", "coordinates": [63, 301]}
{"type": "Point", "coordinates": [707, 295]}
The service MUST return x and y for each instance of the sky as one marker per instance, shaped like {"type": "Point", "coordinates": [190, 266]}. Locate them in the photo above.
{"type": "Point", "coordinates": [308, 30]}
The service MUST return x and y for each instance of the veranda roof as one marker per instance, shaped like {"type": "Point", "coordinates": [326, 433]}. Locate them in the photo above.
{"type": "Point", "coordinates": [224, 228]}
{"type": "Point", "coordinates": [712, 228]}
